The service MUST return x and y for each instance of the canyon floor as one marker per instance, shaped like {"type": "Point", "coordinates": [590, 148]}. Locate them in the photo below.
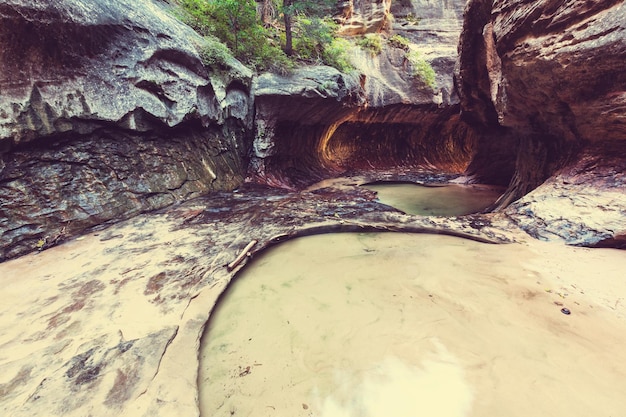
{"type": "Point", "coordinates": [110, 323]}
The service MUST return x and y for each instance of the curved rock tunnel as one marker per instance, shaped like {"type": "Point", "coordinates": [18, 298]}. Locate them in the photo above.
{"type": "Point", "coordinates": [395, 139]}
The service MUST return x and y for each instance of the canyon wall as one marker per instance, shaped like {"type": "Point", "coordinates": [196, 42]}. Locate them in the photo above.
{"type": "Point", "coordinates": [544, 83]}
{"type": "Point", "coordinates": [106, 110]}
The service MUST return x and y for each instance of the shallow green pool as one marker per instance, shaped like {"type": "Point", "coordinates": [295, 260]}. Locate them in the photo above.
{"type": "Point", "coordinates": [449, 200]}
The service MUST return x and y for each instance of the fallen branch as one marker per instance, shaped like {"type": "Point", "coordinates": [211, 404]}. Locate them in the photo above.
{"type": "Point", "coordinates": [245, 252]}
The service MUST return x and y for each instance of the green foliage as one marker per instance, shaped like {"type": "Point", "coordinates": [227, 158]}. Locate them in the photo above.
{"type": "Point", "coordinates": [214, 52]}
{"type": "Point", "coordinates": [312, 36]}
{"type": "Point", "coordinates": [421, 68]}
{"type": "Point", "coordinates": [232, 28]}
{"type": "Point", "coordinates": [412, 19]}
{"type": "Point", "coordinates": [336, 55]}
{"type": "Point", "coordinates": [371, 42]}
{"type": "Point", "coordinates": [235, 23]}
{"type": "Point", "coordinates": [399, 41]}
{"type": "Point", "coordinates": [313, 8]}
{"type": "Point", "coordinates": [197, 14]}
{"type": "Point", "coordinates": [272, 58]}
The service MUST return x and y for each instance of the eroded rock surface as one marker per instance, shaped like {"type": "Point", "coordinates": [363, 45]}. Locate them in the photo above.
{"type": "Point", "coordinates": [546, 79]}
{"type": "Point", "coordinates": [583, 204]}
{"type": "Point", "coordinates": [115, 318]}
{"type": "Point", "coordinates": [318, 123]}
{"type": "Point", "coordinates": [106, 110]}
{"type": "Point", "coordinates": [434, 27]}
{"type": "Point", "coordinates": [358, 17]}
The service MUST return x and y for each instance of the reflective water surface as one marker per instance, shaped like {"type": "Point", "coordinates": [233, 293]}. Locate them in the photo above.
{"type": "Point", "coordinates": [448, 200]}
{"type": "Point", "coordinates": [383, 325]}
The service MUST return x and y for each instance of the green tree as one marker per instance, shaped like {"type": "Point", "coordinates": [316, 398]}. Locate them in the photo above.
{"type": "Point", "coordinates": [291, 8]}
{"type": "Point", "coordinates": [254, 38]}
{"type": "Point", "coordinates": [236, 23]}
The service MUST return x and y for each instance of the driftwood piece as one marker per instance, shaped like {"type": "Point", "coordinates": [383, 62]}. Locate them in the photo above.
{"type": "Point", "coordinates": [242, 255]}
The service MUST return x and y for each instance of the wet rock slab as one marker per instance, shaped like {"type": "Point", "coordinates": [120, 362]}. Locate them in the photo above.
{"type": "Point", "coordinates": [109, 323]}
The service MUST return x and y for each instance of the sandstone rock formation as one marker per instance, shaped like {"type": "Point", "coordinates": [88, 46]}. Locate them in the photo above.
{"type": "Point", "coordinates": [318, 122]}
{"type": "Point", "coordinates": [293, 116]}
{"type": "Point", "coordinates": [434, 26]}
{"type": "Point", "coordinates": [106, 110]}
{"type": "Point", "coordinates": [125, 118]}
{"type": "Point", "coordinates": [358, 17]}
{"type": "Point", "coordinates": [544, 82]}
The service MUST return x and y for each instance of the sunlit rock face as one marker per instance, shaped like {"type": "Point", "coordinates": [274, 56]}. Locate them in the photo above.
{"type": "Point", "coordinates": [358, 17]}
{"type": "Point", "coordinates": [432, 22]}
{"type": "Point", "coordinates": [106, 111]}
{"type": "Point", "coordinates": [547, 78]}
{"type": "Point", "coordinates": [402, 137]}
{"type": "Point", "coordinates": [435, 26]}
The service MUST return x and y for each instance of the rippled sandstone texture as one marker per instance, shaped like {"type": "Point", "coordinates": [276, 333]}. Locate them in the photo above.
{"type": "Point", "coordinates": [545, 84]}
{"type": "Point", "coordinates": [106, 111]}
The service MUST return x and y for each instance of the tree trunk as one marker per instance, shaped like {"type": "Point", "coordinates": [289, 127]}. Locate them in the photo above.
{"type": "Point", "coordinates": [287, 18]}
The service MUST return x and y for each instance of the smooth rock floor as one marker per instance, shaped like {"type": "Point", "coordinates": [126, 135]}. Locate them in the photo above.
{"type": "Point", "coordinates": [109, 323]}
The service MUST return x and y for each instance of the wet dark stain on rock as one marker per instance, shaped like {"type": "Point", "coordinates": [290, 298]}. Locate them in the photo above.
{"type": "Point", "coordinates": [82, 370]}
{"type": "Point", "coordinates": [80, 296]}
{"type": "Point", "coordinates": [529, 295]}
{"type": "Point", "coordinates": [89, 288]}
{"type": "Point", "coordinates": [73, 328]}
{"type": "Point", "coordinates": [57, 320]}
{"type": "Point", "coordinates": [22, 377]}
{"type": "Point", "coordinates": [120, 284]}
{"type": "Point", "coordinates": [49, 300]}
{"type": "Point", "coordinates": [155, 283]}
{"type": "Point", "coordinates": [478, 222]}
{"type": "Point", "coordinates": [124, 346]}
{"type": "Point", "coordinates": [123, 387]}
{"type": "Point", "coordinates": [192, 277]}
{"type": "Point", "coordinates": [178, 259]}
{"type": "Point", "coordinates": [86, 368]}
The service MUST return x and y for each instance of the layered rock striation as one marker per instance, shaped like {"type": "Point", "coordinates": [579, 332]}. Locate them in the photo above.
{"type": "Point", "coordinates": [550, 72]}
{"type": "Point", "coordinates": [106, 110]}
{"type": "Point", "coordinates": [544, 83]}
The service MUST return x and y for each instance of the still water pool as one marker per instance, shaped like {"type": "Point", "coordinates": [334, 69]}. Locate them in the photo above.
{"type": "Point", "coordinates": [399, 325]}
{"type": "Point", "coordinates": [448, 200]}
